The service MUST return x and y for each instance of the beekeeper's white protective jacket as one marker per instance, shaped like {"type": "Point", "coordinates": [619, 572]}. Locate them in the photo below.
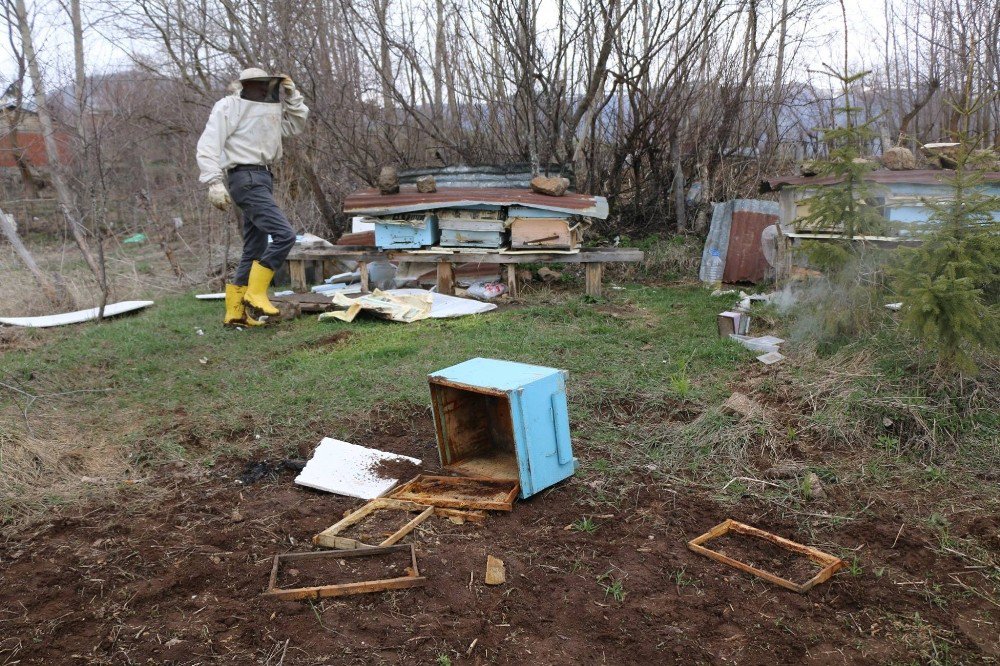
{"type": "Point", "coordinates": [240, 131]}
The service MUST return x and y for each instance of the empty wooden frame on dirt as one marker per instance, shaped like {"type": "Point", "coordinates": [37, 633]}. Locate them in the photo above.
{"type": "Point", "coordinates": [332, 537]}
{"type": "Point", "coordinates": [829, 563]}
{"type": "Point", "coordinates": [411, 579]}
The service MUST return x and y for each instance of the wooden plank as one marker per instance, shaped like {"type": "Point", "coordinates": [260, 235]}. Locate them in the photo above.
{"type": "Point", "coordinates": [344, 589]}
{"type": "Point", "coordinates": [831, 563]}
{"type": "Point", "coordinates": [745, 261]}
{"type": "Point", "coordinates": [512, 280]}
{"type": "Point", "coordinates": [368, 254]}
{"type": "Point", "coordinates": [446, 278]}
{"type": "Point", "coordinates": [408, 527]}
{"type": "Point", "coordinates": [297, 273]}
{"type": "Point", "coordinates": [593, 276]}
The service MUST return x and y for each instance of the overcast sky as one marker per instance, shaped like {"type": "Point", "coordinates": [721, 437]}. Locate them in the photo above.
{"type": "Point", "coordinates": [109, 52]}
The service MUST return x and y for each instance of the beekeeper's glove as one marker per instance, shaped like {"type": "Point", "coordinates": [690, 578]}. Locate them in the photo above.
{"type": "Point", "coordinates": [287, 86]}
{"type": "Point", "coordinates": [219, 196]}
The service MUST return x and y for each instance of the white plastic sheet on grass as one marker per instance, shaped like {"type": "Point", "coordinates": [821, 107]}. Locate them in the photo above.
{"type": "Point", "coordinates": [346, 469]}
{"type": "Point", "coordinates": [78, 317]}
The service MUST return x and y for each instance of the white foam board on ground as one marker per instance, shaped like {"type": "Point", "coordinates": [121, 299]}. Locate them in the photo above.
{"type": "Point", "coordinates": [444, 306]}
{"type": "Point", "coordinates": [220, 296]}
{"type": "Point", "coordinates": [770, 358]}
{"type": "Point", "coordinates": [346, 469]}
{"type": "Point", "coordinates": [78, 317]}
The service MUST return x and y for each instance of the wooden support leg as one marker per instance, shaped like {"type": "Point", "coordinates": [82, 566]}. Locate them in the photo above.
{"type": "Point", "coordinates": [363, 270]}
{"type": "Point", "coordinates": [297, 274]}
{"type": "Point", "coordinates": [512, 280]}
{"type": "Point", "coordinates": [445, 278]}
{"type": "Point", "coordinates": [594, 272]}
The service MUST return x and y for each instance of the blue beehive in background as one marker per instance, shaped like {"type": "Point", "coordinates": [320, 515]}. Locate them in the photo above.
{"type": "Point", "coordinates": [406, 232]}
{"type": "Point", "coordinates": [503, 420]}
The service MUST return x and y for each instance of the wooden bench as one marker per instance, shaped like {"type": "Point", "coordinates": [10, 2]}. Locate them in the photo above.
{"type": "Point", "coordinates": [324, 260]}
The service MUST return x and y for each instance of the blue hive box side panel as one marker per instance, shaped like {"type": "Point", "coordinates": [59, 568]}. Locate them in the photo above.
{"type": "Point", "coordinates": [542, 415]}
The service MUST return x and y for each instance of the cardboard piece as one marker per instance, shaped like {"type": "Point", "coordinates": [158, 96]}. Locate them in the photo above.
{"type": "Point", "coordinates": [405, 308]}
{"type": "Point", "coordinates": [345, 469]}
{"type": "Point", "coordinates": [444, 306]}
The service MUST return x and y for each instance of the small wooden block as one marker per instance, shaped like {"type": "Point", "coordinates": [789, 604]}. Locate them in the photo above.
{"type": "Point", "coordinates": [495, 572]}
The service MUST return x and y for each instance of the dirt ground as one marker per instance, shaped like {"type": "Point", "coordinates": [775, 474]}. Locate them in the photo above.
{"type": "Point", "coordinates": [172, 571]}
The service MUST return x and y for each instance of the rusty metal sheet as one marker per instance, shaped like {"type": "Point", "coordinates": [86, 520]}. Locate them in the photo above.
{"type": "Point", "coordinates": [745, 260]}
{"type": "Point", "coordinates": [917, 176]}
{"type": "Point", "coordinates": [371, 202]}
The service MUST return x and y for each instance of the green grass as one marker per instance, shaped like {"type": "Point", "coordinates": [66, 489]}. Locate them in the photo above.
{"type": "Point", "coordinates": [280, 386]}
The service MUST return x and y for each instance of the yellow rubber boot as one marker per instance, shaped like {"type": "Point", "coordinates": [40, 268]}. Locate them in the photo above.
{"type": "Point", "coordinates": [235, 311]}
{"type": "Point", "coordinates": [256, 294]}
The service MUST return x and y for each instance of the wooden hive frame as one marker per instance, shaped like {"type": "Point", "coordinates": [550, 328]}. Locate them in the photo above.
{"type": "Point", "coordinates": [412, 579]}
{"type": "Point", "coordinates": [830, 563]}
{"type": "Point", "coordinates": [408, 492]}
{"type": "Point", "coordinates": [330, 537]}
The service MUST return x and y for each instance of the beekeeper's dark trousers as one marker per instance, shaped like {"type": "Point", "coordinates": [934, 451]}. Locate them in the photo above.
{"type": "Point", "coordinates": [253, 192]}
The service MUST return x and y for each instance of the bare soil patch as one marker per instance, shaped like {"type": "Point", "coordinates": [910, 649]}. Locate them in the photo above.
{"type": "Point", "coordinates": [396, 469]}
{"type": "Point", "coordinates": [378, 526]}
{"type": "Point", "coordinates": [179, 580]}
{"type": "Point", "coordinates": [172, 571]}
{"type": "Point", "coordinates": [764, 555]}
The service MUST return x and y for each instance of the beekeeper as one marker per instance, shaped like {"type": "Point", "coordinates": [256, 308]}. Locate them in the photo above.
{"type": "Point", "coordinates": [241, 141]}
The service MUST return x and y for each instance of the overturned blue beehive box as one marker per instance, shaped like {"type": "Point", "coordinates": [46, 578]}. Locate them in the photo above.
{"type": "Point", "coordinates": [503, 420]}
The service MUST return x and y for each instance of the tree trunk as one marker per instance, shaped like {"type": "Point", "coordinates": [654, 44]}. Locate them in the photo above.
{"type": "Point", "coordinates": [48, 287]}
{"type": "Point", "coordinates": [63, 193]}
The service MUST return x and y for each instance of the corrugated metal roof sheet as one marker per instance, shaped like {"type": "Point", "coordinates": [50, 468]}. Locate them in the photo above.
{"type": "Point", "coordinates": [917, 176]}
{"type": "Point", "coordinates": [371, 202]}
{"type": "Point", "coordinates": [511, 176]}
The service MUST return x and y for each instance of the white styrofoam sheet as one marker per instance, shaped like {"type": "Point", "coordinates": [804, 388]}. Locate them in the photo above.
{"type": "Point", "coordinates": [78, 317]}
{"type": "Point", "coordinates": [220, 296]}
{"type": "Point", "coordinates": [444, 306]}
{"type": "Point", "coordinates": [770, 357]}
{"type": "Point", "coordinates": [345, 469]}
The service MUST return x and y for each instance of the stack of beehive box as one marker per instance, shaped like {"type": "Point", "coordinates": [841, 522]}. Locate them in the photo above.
{"type": "Point", "coordinates": [483, 226]}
